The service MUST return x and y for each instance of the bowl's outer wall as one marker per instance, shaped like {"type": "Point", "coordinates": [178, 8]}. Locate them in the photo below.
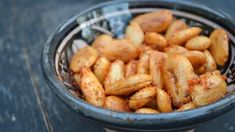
{"type": "Point", "coordinates": [129, 121]}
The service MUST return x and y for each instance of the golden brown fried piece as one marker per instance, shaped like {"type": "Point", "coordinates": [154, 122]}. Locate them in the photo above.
{"type": "Point", "coordinates": [176, 49]}
{"type": "Point", "coordinates": [143, 49]}
{"type": "Point", "coordinates": [143, 63]}
{"type": "Point", "coordinates": [196, 58]}
{"type": "Point", "coordinates": [116, 103]}
{"type": "Point", "coordinates": [101, 68]}
{"type": "Point", "coordinates": [142, 97]}
{"type": "Point", "coordinates": [176, 25]}
{"type": "Point", "coordinates": [210, 62]}
{"type": "Point", "coordinates": [101, 41]}
{"type": "Point", "coordinates": [84, 57]}
{"type": "Point", "coordinates": [134, 33]}
{"type": "Point", "coordinates": [91, 88]}
{"type": "Point", "coordinates": [138, 103]}
{"type": "Point", "coordinates": [187, 106]}
{"type": "Point", "coordinates": [212, 87]}
{"type": "Point", "coordinates": [156, 63]}
{"type": "Point", "coordinates": [198, 43]}
{"type": "Point", "coordinates": [144, 93]}
{"type": "Point", "coordinates": [121, 49]}
{"type": "Point", "coordinates": [129, 85]}
{"type": "Point", "coordinates": [152, 104]}
{"type": "Point", "coordinates": [178, 73]}
{"type": "Point", "coordinates": [181, 37]}
{"type": "Point", "coordinates": [200, 70]}
{"type": "Point", "coordinates": [115, 73]}
{"type": "Point", "coordinates": [146, 111]}
{"type": "Point", "coordinates": [163, 101]}
{"type": "Point", "coordinates": [157, 21]}
{"type": "Point", "coordinates": [219, 47]}
{"type": "Point", "coordinates": [131, 68]}
{"type": "Point", "coordinates": [155, 40]}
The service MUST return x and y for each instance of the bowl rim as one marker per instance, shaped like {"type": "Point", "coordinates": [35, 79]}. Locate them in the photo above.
{"type": "Point", "coordinates": [127, 119]}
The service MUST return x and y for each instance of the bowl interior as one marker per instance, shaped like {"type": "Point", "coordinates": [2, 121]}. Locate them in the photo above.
{"type": "Point", "coordinates": [113, 21]}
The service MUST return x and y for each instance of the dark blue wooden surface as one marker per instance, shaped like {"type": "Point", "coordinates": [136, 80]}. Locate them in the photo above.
{"type": "Point", "coordinates": [26, 103]}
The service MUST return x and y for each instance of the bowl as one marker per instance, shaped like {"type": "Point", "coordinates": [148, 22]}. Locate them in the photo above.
{"type": "Point", "coordinates": [112, 18]}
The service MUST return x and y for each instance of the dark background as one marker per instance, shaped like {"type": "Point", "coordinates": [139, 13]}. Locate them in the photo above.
{"type": "Point", "coordinates": [26, 103]}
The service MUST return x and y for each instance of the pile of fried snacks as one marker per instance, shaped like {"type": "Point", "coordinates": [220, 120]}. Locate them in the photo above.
{"type": "Point", "coordinates": [161, 65]}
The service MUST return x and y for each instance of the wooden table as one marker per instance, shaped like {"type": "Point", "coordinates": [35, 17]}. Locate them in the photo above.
{"type": "Point", "coordinates": [26, 103]}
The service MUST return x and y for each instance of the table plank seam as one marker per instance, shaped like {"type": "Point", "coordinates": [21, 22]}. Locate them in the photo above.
{"type": "Point", "coordinates": [36, 91]}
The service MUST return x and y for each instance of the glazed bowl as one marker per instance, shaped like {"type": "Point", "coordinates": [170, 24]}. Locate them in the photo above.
{"type": "Point", "coordinates": [112, 18]}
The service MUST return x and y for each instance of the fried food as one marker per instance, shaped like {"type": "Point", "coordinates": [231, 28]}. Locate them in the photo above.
{"type": "Point", "coordinates": [91, 88]}
{"type": "Point", "coordinates": [146, 111]}
{"type": "Point", "coordinates": [85, 57]}
{"type": "Point", "coordinates": [134, 33]}
{"type": "Point", "coordinates": [182, 36]}
{"type": "Point", "coordinates": [116, 103]}
{"type": "Point", "coordinates": [157, 21]}
{"type": "Point", "coordinates": [159, 65]}
{"type": "Point", "coordinates": [212, 87]}
{"type": "Point", "coordinates": [198, 43]}
{"type": "Point", "coordinates": [219, 47]}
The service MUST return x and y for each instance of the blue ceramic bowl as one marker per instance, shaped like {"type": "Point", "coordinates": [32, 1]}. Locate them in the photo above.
{"type": "Point", "coordinates": [112, 18]}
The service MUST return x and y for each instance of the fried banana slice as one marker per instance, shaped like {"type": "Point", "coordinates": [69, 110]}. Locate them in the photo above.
{"type": "Point", "coordinates": [178, 74]}
{"type": "Point", "coordinates": [146, 111]}
{"type": "Point", "coordinates": [196, 58]}
{"type": "Point", "coordinates": [212, 87]}
{"type": "Point", "coordinates": [157, 21]}
{"type": "Point", "coordinates": [176, 25]}
{"type": "Point", "coordinates": [156, 64]}
{"type": "Point", "coordinates": [163, 101]}
{"type": "Point", "coordinates": [198, 43]}
{"type": "Point", "coordinates": [128, 85]}
{"type": "Point", "coordinates": [121, 49]}
{"type": "Point", "coordinates": [210, 62]}
{"type": "Point", "coordinates": [143, 63]}
{"type": "Point", "coordinates": [144, 93]}
{"type": "Point", "coordinates": [131, 68]}
{"type": "Point", "coordinates": [116, 103]}
{"type": "Point", "coordinates": [84, 57]}
{"type": "Point", "coordinates": [91, 88]}
{"type": "Point", "coordinates": [187, 106]}
{"type": "Point", "coordinates": [101, 68]}
{"type": "Point", "coordinates": [219, 47]}
{"type": "Point", "coordinates": [152, 104]}
{"type": "Point", "coordinates": [143, 49]}
{"type": "Point", "coordinates": [200, 70]}
{"type": "Point", "coordinates": [101, 41]}
{"type": "Point", "coordinates": [181, 37]}
{"type": "Point", "coordinates": [142, 97]}
{"type": "Point", "coordinates": [115, 73]}
{"type": "Point", "coordinates": [138, 103]}
{"type": "Point", "coordinates": [176, 49]}
{"type": "Point", "coordinates": [155, 41]}
{"type": "Point", "coordinates": [134, 33]}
